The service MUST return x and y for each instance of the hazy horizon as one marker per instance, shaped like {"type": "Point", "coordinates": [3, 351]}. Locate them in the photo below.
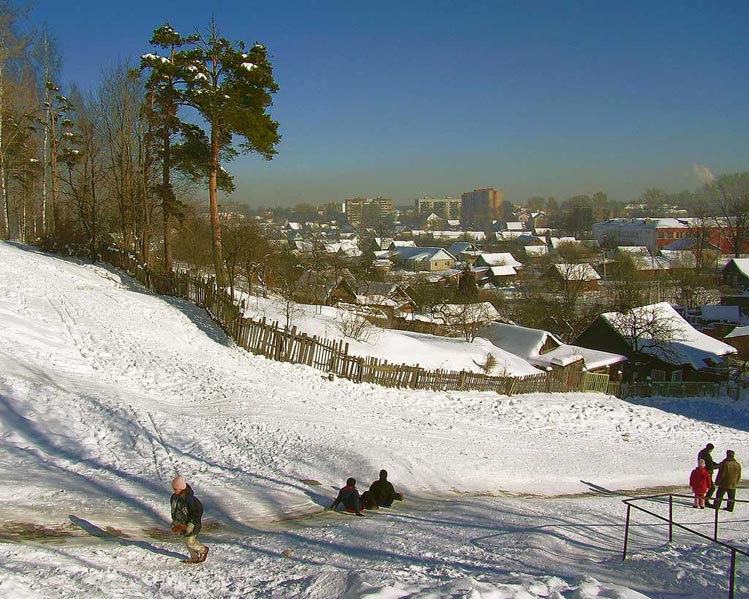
{"type": "Point", "coordinates": [428, 98]}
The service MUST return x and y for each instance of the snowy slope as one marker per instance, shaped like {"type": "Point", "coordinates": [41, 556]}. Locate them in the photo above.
{"type": "Point", "coordinates": [107, 391]}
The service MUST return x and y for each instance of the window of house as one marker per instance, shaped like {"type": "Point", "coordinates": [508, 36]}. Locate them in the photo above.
{"type": "Point", "coordinates": [658, 376]}
{"type": "Point", "coordinates": [676, 376]}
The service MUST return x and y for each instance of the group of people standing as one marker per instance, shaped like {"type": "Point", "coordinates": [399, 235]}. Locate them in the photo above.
{"type": "Point", "coordinates": [726, 481]}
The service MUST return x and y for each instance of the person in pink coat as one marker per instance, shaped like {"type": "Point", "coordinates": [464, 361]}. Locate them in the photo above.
{"type": "Point", "coordinates": [700, 481]}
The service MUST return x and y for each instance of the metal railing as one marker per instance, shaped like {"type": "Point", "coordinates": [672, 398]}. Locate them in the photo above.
{"type": "Point", "coordinates": [714, 539]}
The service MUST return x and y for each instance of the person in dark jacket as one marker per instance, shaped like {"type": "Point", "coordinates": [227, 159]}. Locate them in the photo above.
{"type": "Point", "coordinates": [710, 466]}
{"type": "Point", "coordinates": [382, 491]}
{"type": "Point", "coordinates": [729, 475]}
{"type": "Point", "coordinates": [348, 496]}
{"type": "Point", "coordinates": [187, 513]}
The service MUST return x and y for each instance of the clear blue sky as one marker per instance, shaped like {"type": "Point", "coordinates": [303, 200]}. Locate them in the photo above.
{"type": "Point", "coordinates": [413, 98]}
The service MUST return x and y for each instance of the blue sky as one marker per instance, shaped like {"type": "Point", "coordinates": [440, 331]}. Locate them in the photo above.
{"type": "Point", "coordinates": [414, 98]}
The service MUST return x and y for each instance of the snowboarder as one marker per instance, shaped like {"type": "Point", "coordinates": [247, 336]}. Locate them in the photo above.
{"type": "Point", "coordinates": [187, 512]}
{"type": "Point", "coordinates": [383, 492]}
{"type": "Point", "coordinates": [349, 497]}
{"type": "Point", "coordinates": [729, 474]}
{"type": "Point", "coordinates": [710, 466]}
{"type": "Point", "coordinates": [700, 481]}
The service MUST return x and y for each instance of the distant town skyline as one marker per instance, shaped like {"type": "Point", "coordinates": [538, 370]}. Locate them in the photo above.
{"type": "Point", "coordinates": [434, 98]}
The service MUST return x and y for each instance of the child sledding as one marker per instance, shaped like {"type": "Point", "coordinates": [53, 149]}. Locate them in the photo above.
{"type": "Point", "coordinates": [381, 493]}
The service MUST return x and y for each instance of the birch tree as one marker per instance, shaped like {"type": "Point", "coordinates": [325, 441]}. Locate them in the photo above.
{"type": "Point", "coordinates": [12, 46]}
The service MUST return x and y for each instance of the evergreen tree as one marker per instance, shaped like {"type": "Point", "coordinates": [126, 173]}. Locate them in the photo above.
{"type": "Point", "coordinates": [467, 287]}
{"type": "Point", "coordinates": [164, 87]}
{"type": "Point", "coordinates": [231, 88]}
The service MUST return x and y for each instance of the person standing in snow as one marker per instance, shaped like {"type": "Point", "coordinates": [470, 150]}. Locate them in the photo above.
{"type": "Point", "coordinates": [700, 481]}
{"type": "Point", "coordinates": [349, 497]}
{"type": "Point", "coordinates": [187, 513]}
{"type": "Point", "coordinates": [729, 474]}
{"type": "Point", "coordinates": [382, 491]}
{"type": "Point", "coordinates": [710, 466]}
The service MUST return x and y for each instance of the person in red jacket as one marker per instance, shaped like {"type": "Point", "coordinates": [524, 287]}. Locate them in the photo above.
{"type": "Point", "coordinates": [700, 481]}
{"type": "Point", "coordinates": [349, 497]}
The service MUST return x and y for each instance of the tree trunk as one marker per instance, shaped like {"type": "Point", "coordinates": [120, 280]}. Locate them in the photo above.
{"type": "Point", "coordinates": [167, 194]}
{"type": "Point", "coordinates": [218, 262]}
{"type": "Point", "coordinates": [3, 190]}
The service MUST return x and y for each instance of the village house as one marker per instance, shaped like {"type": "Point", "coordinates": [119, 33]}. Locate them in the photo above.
{"type": "Point", "coordinates": [578, 277]}
{"type": "Point", "coordinates": [735, 274]}
{"type": "Point", "coordinates": [431, 259]}
{"type": "Point", "coordinates": [464, 251]}
{"type": "Point", "coordinates": [656, 233]}
{"type": "Point", "coordinates": [546, 351]}
{"type": "Point", "coordinates": [690, 253]}
{"type": "Point", "coordinates": [659, 344]}
{"type": "Point", "coordinates": [392, 299]}
{"type": "Point", "coordinates": [638, 258]}
{"type": "Point", "coordinates": [739, 339]}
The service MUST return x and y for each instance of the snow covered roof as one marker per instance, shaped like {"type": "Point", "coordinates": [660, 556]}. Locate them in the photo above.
{"type": "Point", "coordinates": [528, 239]}
{"type": "Point", "coordinates": [677, 258]}
{"type": "Point", "coordinates": [688, 243]}
{"type": "Point", "coordinates": [637, 250]}
{"type": "Point", "coordinates": [475, 235]}
{"type": "Point", "coordinates": [742, 264]}
{"type": "Point", "coordinates": [499, 259]}
{"type": "Point", "coordinates": [536, 250]}
{"type": "Point", "coordinates": [509, 235]}
{"type": "Point", "coordinates": [577, 272]}
{"type": "Point", "coordinates": [687, 345]}
{"type": "Point", "coordinates": [425, 253]}
{"type": "Point", "coordinates": [555, 241]}
{"type": "Point", "coordinates": [738, 332]}
{"type": "Point", "coordinates": [465, 313]}
{"type": "Point", "coordinates": [461, 246]}
{"type": "Point", "coordinates": [527, 343]}
{"type": "Point", "coordinates": [503, 271]}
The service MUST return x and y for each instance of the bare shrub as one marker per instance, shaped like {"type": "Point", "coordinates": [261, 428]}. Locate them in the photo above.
{"type": "Point", "coordinates": [355, 326]}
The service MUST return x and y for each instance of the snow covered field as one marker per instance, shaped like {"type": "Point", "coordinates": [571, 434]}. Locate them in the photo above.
{"type": "Point", "coordinates": [107, 391]}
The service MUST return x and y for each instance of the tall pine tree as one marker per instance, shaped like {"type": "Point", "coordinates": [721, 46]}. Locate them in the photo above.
{"type": "Point", "coordinates": [165, 86]}
{"type": "Point", "coordinates": [231, 87]}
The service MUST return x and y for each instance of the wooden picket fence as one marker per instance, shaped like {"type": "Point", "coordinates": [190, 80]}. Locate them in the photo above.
{"type": "Point", "coordinates": [289, 345]}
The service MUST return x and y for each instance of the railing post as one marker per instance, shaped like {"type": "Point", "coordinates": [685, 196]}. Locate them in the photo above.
{"type": "Point", "coordinates": [626, 533]}
{"type": "Point", "coordinates": [715, 525]}
{"type": "Point", "coordinates": [732, 574]}
{"type": "Point", "coordinates": [670, 518]}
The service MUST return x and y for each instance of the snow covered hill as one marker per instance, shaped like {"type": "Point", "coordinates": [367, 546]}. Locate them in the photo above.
{"type": "Point", "coordinates": [108, 391]}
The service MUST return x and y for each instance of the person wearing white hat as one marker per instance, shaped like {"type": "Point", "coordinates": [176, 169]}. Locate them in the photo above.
{"type": "Point", "coordinates": [187, 513]}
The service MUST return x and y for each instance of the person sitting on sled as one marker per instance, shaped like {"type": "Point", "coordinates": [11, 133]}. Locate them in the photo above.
{"type": "Point", "coordinates": [382, 491]}
{"type": "Point", "coordinates": [187, 512]}
{"type": "Point", "coordinates": [349, 497]}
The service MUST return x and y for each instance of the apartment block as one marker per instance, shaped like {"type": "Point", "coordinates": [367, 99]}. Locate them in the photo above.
{"type": "Point", "coordinates": [481, 207]}
{"type": "Point", "coordinates": [366, 211]}
{"type": "Point", "coordinates": [447, 208]}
